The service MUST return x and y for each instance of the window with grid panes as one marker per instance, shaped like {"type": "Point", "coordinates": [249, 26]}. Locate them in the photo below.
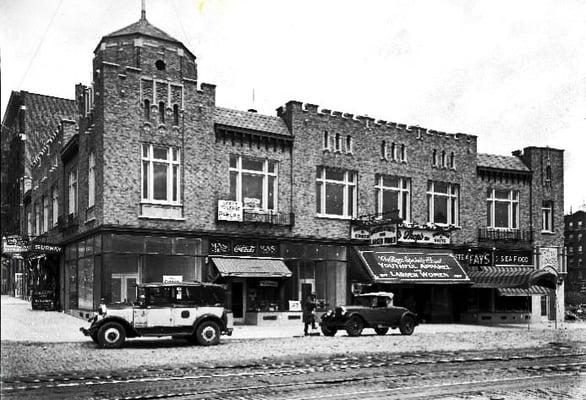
{"type": "Point", "coordinates": [254, 182]}
{"type": "Point", "coordinates": [161, 180]}
{"type": "Point", "coordinates": [443, 203]}
{"type": "Point", "coordinates": [502, 208]}
{"type": "Point", "coordinates": [393, 194]}
{"type": "Point", "coordinates": [335, 192]}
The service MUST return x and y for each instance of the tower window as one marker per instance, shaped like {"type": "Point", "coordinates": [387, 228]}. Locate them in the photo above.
{"type": "Point", "coordinates": [175, 115]}
{"type": "Point", "coordinates": [160, 64]}
{"type": "Point", "coordinates": [147, 110]}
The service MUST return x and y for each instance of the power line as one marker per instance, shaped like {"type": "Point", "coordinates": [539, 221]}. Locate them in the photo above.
{"type": "Point", "coordinates": [40, 44]}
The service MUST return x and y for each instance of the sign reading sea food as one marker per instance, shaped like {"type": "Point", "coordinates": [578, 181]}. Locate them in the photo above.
{"type": "Point", "coordinates": [413, 266]}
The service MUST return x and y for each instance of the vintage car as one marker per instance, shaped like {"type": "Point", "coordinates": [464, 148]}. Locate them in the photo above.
{"type": "Point", "coordinates": [373, 310]}
{"type": "Point", "coordinates": [191, 310]}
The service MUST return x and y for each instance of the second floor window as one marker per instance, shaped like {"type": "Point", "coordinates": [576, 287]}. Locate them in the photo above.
{"type": "Point", "coordinates": [91, 180]}
{"type": "Point", "coordinates": [335, 192]}
{"type": "Point", "coordinates": [37, 219]}
{"type": "Point", "coordinates": [443, 203]}
{"type": "Point", "coordinates": [55, 197]}
{"type": "Point", "coordinates": [349, 144]}
{"type": "Point", "coordinates": [72, 190]}
{"type": "Point", "coordinates": [160, 174]}
{"type": "Point", "coordinates": [547, 216]}
{"type": "Point", "coordinates": [253, 182]}
{"type": "Point", "coordinates": [45, 213]}
{"type": "Point", "coordinates": [393, 194]}
{"type": "Point", "coordinates": [326, 141]}
{"type": "Point", "coordinates": [502, 209]}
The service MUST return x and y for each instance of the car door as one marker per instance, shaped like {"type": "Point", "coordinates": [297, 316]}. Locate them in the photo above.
{"type": "Point", "coordinates": [158, 308]}
{"type": "Point", "coordinates": [184, 308]}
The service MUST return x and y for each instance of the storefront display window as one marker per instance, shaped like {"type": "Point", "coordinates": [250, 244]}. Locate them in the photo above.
{"type": "Point", "coordinates": [263, 295]}
{"type": "Point", "coordinates": [85, 281]}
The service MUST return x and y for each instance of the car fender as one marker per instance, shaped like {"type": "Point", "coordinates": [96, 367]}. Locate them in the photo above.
{"type": "Point", "coordinates": [357, 314]}
{"type": "Point", "coordinates": [412, 315]}
{"type": "Point", "coordinates": [209, 317]}
{"type": "Point", "coordinates": [130, 331]}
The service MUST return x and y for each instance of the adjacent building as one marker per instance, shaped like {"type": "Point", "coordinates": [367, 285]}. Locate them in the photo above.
{"type": "Point", "coordinates": [142, 177]}
{"type": "Point", "coordinates": [575, 241]}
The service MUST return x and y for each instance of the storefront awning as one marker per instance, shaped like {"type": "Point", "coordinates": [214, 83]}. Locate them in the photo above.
{"type": "Point", "coordinates": [251, 267]}
{"type": "Point", "coordinates": [530, 291]}
{"type": "Point", "coordinates": [511, 277]}
{"type": "Point", "coordinates": [409, 265]}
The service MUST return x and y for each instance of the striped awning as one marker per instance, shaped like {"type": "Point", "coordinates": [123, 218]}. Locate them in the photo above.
{"type": "Point", "coordinates": [511, 277]}
{"type": "Point", "coordinates": [534, 290]}
{"type": "Point", "coordinates": [251, 267]}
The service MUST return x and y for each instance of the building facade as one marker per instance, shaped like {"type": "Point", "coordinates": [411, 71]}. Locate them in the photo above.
{"type": "Point", "coordinates": [575, 241]}
{"type": "Point", "coordinates": [151, 180]}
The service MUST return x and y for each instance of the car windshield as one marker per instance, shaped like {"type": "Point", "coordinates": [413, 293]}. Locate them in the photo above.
{"type": "Point", "coordinates": [371, 301]}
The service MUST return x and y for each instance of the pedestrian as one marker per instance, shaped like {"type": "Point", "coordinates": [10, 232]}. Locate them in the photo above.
{"type": "Point", "coordinates": [309, 306]}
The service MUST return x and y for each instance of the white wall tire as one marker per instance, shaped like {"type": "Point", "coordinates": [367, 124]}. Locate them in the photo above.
{"type": "Point", "coordinates": [208, 333]}
{"type": "Point", "coordinates": [111, 335]}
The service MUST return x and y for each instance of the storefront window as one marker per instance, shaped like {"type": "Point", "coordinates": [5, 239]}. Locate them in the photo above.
{"type": "Point", "coordinates": [253, 182]}
{"type": "Point", "coordinates": [85, 281]}
{"type": "Point", "coordinates": [263, 295]}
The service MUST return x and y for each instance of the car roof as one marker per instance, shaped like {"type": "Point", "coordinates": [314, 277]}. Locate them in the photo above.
{"type": "Point", "coordinates": [172, 284]}
{"type": "Point", "coordinates": [381, 294]}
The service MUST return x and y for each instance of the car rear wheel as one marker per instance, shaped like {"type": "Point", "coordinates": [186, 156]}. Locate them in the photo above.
{"type": "Point", "coordinates": [111, 335]}
{"type": "Point", "coordinates": [381, 331]}
{"type": "Point", "coordinates": [407, 325]}
{"type": "Point", "coordinates": [208, 333]}
{"type": "Point", "coordinates": [354, 326]}
{"type": "Point", "coordinates": [328, 331]}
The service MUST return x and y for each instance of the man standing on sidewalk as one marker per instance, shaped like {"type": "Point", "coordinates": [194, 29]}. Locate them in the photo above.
{"type": "Point", "coordinates": [309, 306]}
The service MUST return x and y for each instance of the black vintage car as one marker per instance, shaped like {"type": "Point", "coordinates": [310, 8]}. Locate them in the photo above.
{"type": "Point", "coordinates": [374, 310]}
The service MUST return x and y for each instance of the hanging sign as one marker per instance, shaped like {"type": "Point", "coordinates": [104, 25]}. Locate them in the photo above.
{"type": "Point", "coordinates": [229, 210]}
{"type": "Point", "coordinates": [383, 235]}
{"type": "Point", "coordinates": [409, 235]}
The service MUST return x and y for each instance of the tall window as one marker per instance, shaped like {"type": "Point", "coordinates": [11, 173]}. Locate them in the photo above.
{"type": "Point", "coordinates": [37, 219]}
{"type": "Point", "coordinates": [91, 180]}
{"type": "Point", "coordinates": [161, 112]}
{"type": "Point", "coordinates": [72, 190]}
{"type": "Point", "coordinates": [45, 213]}
{"type": "Point", "coordinates": [147, 110]}
{"type": "Point", "coordinates": [452, 162]}
{"type": "Point", "coordinates": [338, 142]}
{"type": "Point", "coordinates": [547, 216]}
{"type": "Point", "coordinates": [443, 159]}
{"type": "Point", "coordinates": [349, 144]}
{"type": "Point", "coordinates": [393, 151]}
{"type": "Point", "coordinates": [403, 153]}
{"type": "Point", "coordinates": [442, 203]}
{"type": "Point", "coordinates": [393, 193]}
{"type": "Point", "coordinates": [55, 197]}
{"type": "Point", "coordinates": [160, 174]}
{"type": "Point", "coordinates": [434, 158]}
{"type": "Point", "coordinates": [335, 192]}
{"type": "Point", "coordinates": [254, 182]}
{"type": "Point", "coordinates": [326, 141]}
{"type": "Point", "coordinates": [383, 150]}
{"type": "Point", "coordinates": [29, 222]}
{"type": "Point", "coordinates": [502, 209]}
{"type": "Point", "coordinates": [175, 115]}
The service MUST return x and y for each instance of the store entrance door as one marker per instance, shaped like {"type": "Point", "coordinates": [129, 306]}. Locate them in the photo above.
{"type": "Point", "coordinates": [237, 301]}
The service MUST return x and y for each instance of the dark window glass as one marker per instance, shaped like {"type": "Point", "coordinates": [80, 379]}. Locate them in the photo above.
{"type": "Point", "coordinates": [176, 115]}
{"type": "Point", "coordinates": [147, 110]}
{"type": "Point", "coordinates": [159, 181]}
{"type": "Point", "coordinates": [334, 199]}
{"type": "Point", "coordinates": [162, 112]}
{"type": "Point", "coordinates": [334, 174]}
{"type": "Point", "coordinates": [440, 210]}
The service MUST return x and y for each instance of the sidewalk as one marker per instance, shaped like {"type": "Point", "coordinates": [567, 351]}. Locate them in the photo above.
{"type": "Point", "coordinates": [19, 323]}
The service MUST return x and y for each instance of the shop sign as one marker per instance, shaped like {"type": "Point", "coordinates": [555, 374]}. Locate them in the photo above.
{"type": "Point", "coordinates": [268, 284]}
{"type": "Point", "coordinates": [229, 210]}
{"type": "Point", "coordinates": [548, 257]}
{"type": "Point", "coordinates": [418, 267]}
{"type": "Point", "coordinates": [474, 257]}
{"type": "Point", "coordinates": [359, 232]}
{"type": "Point", "coordinates": [410, 235]}
{"type": "Point", "coordinates": [244, 249]}
{"type": "Point", "coordinates": [252, 202]}
{"type": "Point", "coordinates": [220, 247]}
{"type": "Point", "coordinates": [268, 250]}
{"type": "Point", "coordinates": [14, 244]}
{"type": "Point", "coordinates": [172, 278]}
{"type": "Point", "coordinates": [487, 257]}
{"type": "Point", "coordinates": [513, 257]}
{"type": "Point", "coordinates": [383, 235]}
{"type": "Point", "coordinates": [47, 248]}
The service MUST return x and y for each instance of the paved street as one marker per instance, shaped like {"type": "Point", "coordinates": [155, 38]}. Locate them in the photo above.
{"type": "Point", "coordinates": [46, 348]}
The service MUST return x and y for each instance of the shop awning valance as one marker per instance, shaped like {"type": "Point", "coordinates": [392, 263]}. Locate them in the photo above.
{"type": "Point", "coordinates": [530, 291]}
{"type": "Point", "coordinates": [251, 267]}
{"type": "Point", "coordinates": [409, 265]}
{"type": "Point", "coordinates": [511, 277]}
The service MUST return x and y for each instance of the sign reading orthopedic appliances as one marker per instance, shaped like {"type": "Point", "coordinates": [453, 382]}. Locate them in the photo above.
{"type": "Point", "coordinates": [413, 265]}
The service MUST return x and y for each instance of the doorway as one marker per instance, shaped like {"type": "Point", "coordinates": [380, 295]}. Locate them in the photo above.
{"type": "Point", "coordinates": [237, 305]}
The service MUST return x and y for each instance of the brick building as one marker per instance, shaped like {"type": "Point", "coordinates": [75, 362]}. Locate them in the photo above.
{"type": "Point", "coordinates": [151, 181]}
{"type": "Point", "coordinates": [575, 241]}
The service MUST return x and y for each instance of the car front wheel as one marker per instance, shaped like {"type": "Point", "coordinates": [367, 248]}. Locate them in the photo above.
{"type": "Point", "coordinates": [381, 331]}
{"type": "Point", "coordinates": [328, 331]}
{"type": "Point", "coordinates": [407, 325]}
{"type": "Point", "coordinates": [111, 335]}
{"type": "Point", "coordinates": [208, 333]}
{"type": "Point", "coordinates": [354, 326]}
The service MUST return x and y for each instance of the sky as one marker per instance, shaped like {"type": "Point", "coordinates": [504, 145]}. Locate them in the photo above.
{"type": "Point", "coordinates": [512, 73]}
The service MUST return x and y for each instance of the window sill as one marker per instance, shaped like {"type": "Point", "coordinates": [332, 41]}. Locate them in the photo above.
{"type": "Point", "coordinates": [501, 229]}
{"type": "Point", "coordinates": [547, 232]}
{"type": "Point", "coordinates": [340, 217]}
{"type": "Point", "coordinates": [149, 217]}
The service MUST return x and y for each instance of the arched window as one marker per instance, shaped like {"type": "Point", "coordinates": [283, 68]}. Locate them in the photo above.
{"type": "Point", "coordinates": [443, 159]}
{"type": "Point", "coordinates": [403, 153]}
{"type": "Point", "coordinates": [162, 112]}
{"type": "Point", "coordinates": [147, 110]}
{"type": "Point", "coordinates": [176, 115]}
{"type": "Point", "coordinates": [393, 151]}
{"type": "Point", "coordinates": [337, 142]}
{"type": "Point", "coordinates": [452, 165]}
{"type": "Point", "coordinates": [434, 158]}
{"type": "Point", "coordinates": [383, 150]}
